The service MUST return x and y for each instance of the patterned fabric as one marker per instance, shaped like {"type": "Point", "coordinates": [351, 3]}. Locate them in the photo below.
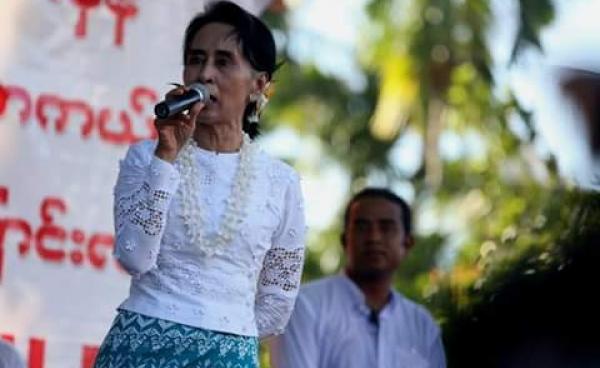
{"type": "Point", "coordinates": [283, 268]}
{"type": "Point", "coordinates": [135, 340]}
{"type": "Point", "coordinates": [146, 212]}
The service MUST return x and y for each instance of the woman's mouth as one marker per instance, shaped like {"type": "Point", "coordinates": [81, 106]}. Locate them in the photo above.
{"type": "Point", "coordinates": [375, 253]}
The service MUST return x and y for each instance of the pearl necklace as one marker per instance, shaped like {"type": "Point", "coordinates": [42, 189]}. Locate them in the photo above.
{"type": "Point", "coordinates": [236, 204]}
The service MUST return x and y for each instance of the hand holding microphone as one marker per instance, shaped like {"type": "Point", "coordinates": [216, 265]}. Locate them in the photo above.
{"type": "Point", "coordinates": [196, 92]}
{"type": "Point", "coordinates": [173, 126]}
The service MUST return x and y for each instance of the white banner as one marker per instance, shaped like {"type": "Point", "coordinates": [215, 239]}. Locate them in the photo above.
{"type": "Point", "coordinates": [78, 82]}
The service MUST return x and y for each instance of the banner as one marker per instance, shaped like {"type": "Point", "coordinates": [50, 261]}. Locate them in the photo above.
{"type": "Point", "coordinates": [78, 82]}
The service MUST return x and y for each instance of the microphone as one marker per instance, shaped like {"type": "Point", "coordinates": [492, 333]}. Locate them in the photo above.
{"type": "Point", "coordinates": [197, 92]}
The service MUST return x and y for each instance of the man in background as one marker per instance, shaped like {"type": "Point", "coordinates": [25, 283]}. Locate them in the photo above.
{"type": "Point", "coordinates": [356, 319]}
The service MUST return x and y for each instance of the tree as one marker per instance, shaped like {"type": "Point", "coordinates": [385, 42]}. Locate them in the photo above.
{"type": "Point", "coordinates": [428, 70]}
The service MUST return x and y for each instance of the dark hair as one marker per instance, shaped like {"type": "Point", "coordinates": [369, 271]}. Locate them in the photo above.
{"type": "Point", "coordinates": [384, 194]}
{"type": "Point", "coordinates": [255, 38]}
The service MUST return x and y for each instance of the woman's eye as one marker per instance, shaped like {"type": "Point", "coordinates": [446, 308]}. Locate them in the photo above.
{"type": "Point", "coordinates": [222, 62]}
{"type": "Point", "coordinates": [193, 60]}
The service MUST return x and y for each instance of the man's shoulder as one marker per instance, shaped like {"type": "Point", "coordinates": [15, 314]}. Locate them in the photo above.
{"type": "Point", "coordinates": [315, 289]}
{"type": "Point", "coordinates": [417, 312]}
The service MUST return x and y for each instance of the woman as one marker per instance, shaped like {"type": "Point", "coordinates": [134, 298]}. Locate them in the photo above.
{"type": "Point", "coordinates": [210, 227]}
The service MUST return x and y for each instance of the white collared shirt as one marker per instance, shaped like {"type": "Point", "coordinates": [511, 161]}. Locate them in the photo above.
{"type": "Point", "coordinates": [332, 327]}
{"type": "Point", "coordinates": [248, 289]}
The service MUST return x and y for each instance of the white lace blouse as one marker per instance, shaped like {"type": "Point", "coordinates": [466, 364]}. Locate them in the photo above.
{"type": "Point", "coordinates": [250, 287]}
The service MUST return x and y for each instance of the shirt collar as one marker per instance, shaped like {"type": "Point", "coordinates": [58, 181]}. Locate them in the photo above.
{"type": "Point", "coordinates": [358, 297]}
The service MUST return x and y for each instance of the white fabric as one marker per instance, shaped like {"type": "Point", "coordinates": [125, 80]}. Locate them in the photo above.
{"type": "Point", "coordinates": [249, 289]}
{"type": "Point", "coordinates": [9, 358]}
{"type": "Point", "coordinates": [330, 328]}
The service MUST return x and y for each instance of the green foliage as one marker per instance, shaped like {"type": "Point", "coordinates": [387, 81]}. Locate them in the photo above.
{"type": "Point", "coordinates": [413, 277]}
{"type": "Point", "coordinates": [321, 106]}
{"type": "Point", "coordinates": [535, 303]}
{"type": "Point", "coordinates": [534, 15]}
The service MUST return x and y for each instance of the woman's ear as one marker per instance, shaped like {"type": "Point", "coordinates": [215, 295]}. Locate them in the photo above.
{"type": "Point", "coordinates": [261, 82]}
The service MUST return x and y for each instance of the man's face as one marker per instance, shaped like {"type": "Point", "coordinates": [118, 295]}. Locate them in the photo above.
{"type": "Point", "coordinates": [375, 241]}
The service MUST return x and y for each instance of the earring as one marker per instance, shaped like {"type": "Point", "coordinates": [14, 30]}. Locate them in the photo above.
{"type": "Point", "coordinates": [260, 101]}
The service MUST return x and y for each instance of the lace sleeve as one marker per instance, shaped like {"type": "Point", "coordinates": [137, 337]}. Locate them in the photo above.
{"type": "Point", "coordinates": [282, 267]}
{"type": "Point", "coordinates": [142, 195]}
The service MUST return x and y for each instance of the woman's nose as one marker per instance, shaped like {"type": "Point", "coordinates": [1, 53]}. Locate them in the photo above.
{"type": "Point", "coordinates": [207, 73]}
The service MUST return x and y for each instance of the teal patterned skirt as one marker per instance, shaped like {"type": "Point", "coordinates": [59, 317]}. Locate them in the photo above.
{"type": "Point", "coordinates": [135, 340]}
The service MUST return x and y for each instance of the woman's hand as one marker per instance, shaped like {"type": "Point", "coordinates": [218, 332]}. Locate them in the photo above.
{"type": "Point", "coordinates": [174, 131]}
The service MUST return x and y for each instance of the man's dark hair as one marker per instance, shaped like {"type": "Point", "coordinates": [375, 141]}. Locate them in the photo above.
{"type": "Point", "coordinates": [386, 194]}
{"type": "Point", "coordinates": [255, 39]}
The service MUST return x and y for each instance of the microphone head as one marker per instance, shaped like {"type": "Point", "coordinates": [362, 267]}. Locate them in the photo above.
{"type": "Point", "coordinates": [202, 90]}
{"type": "Point", "coordinates": [161, 110]}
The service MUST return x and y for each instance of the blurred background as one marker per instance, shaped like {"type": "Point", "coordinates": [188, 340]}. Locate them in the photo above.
{"type": "Point", "coordinates": [484, 115]}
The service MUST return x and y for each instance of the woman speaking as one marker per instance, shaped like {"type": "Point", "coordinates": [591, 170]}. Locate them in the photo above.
{"type": "Point", "coordinates": [209, 226]}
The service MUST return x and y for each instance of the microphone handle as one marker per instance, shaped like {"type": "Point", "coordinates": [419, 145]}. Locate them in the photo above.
{"type": "Point", "coordinates": [180, 103]}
